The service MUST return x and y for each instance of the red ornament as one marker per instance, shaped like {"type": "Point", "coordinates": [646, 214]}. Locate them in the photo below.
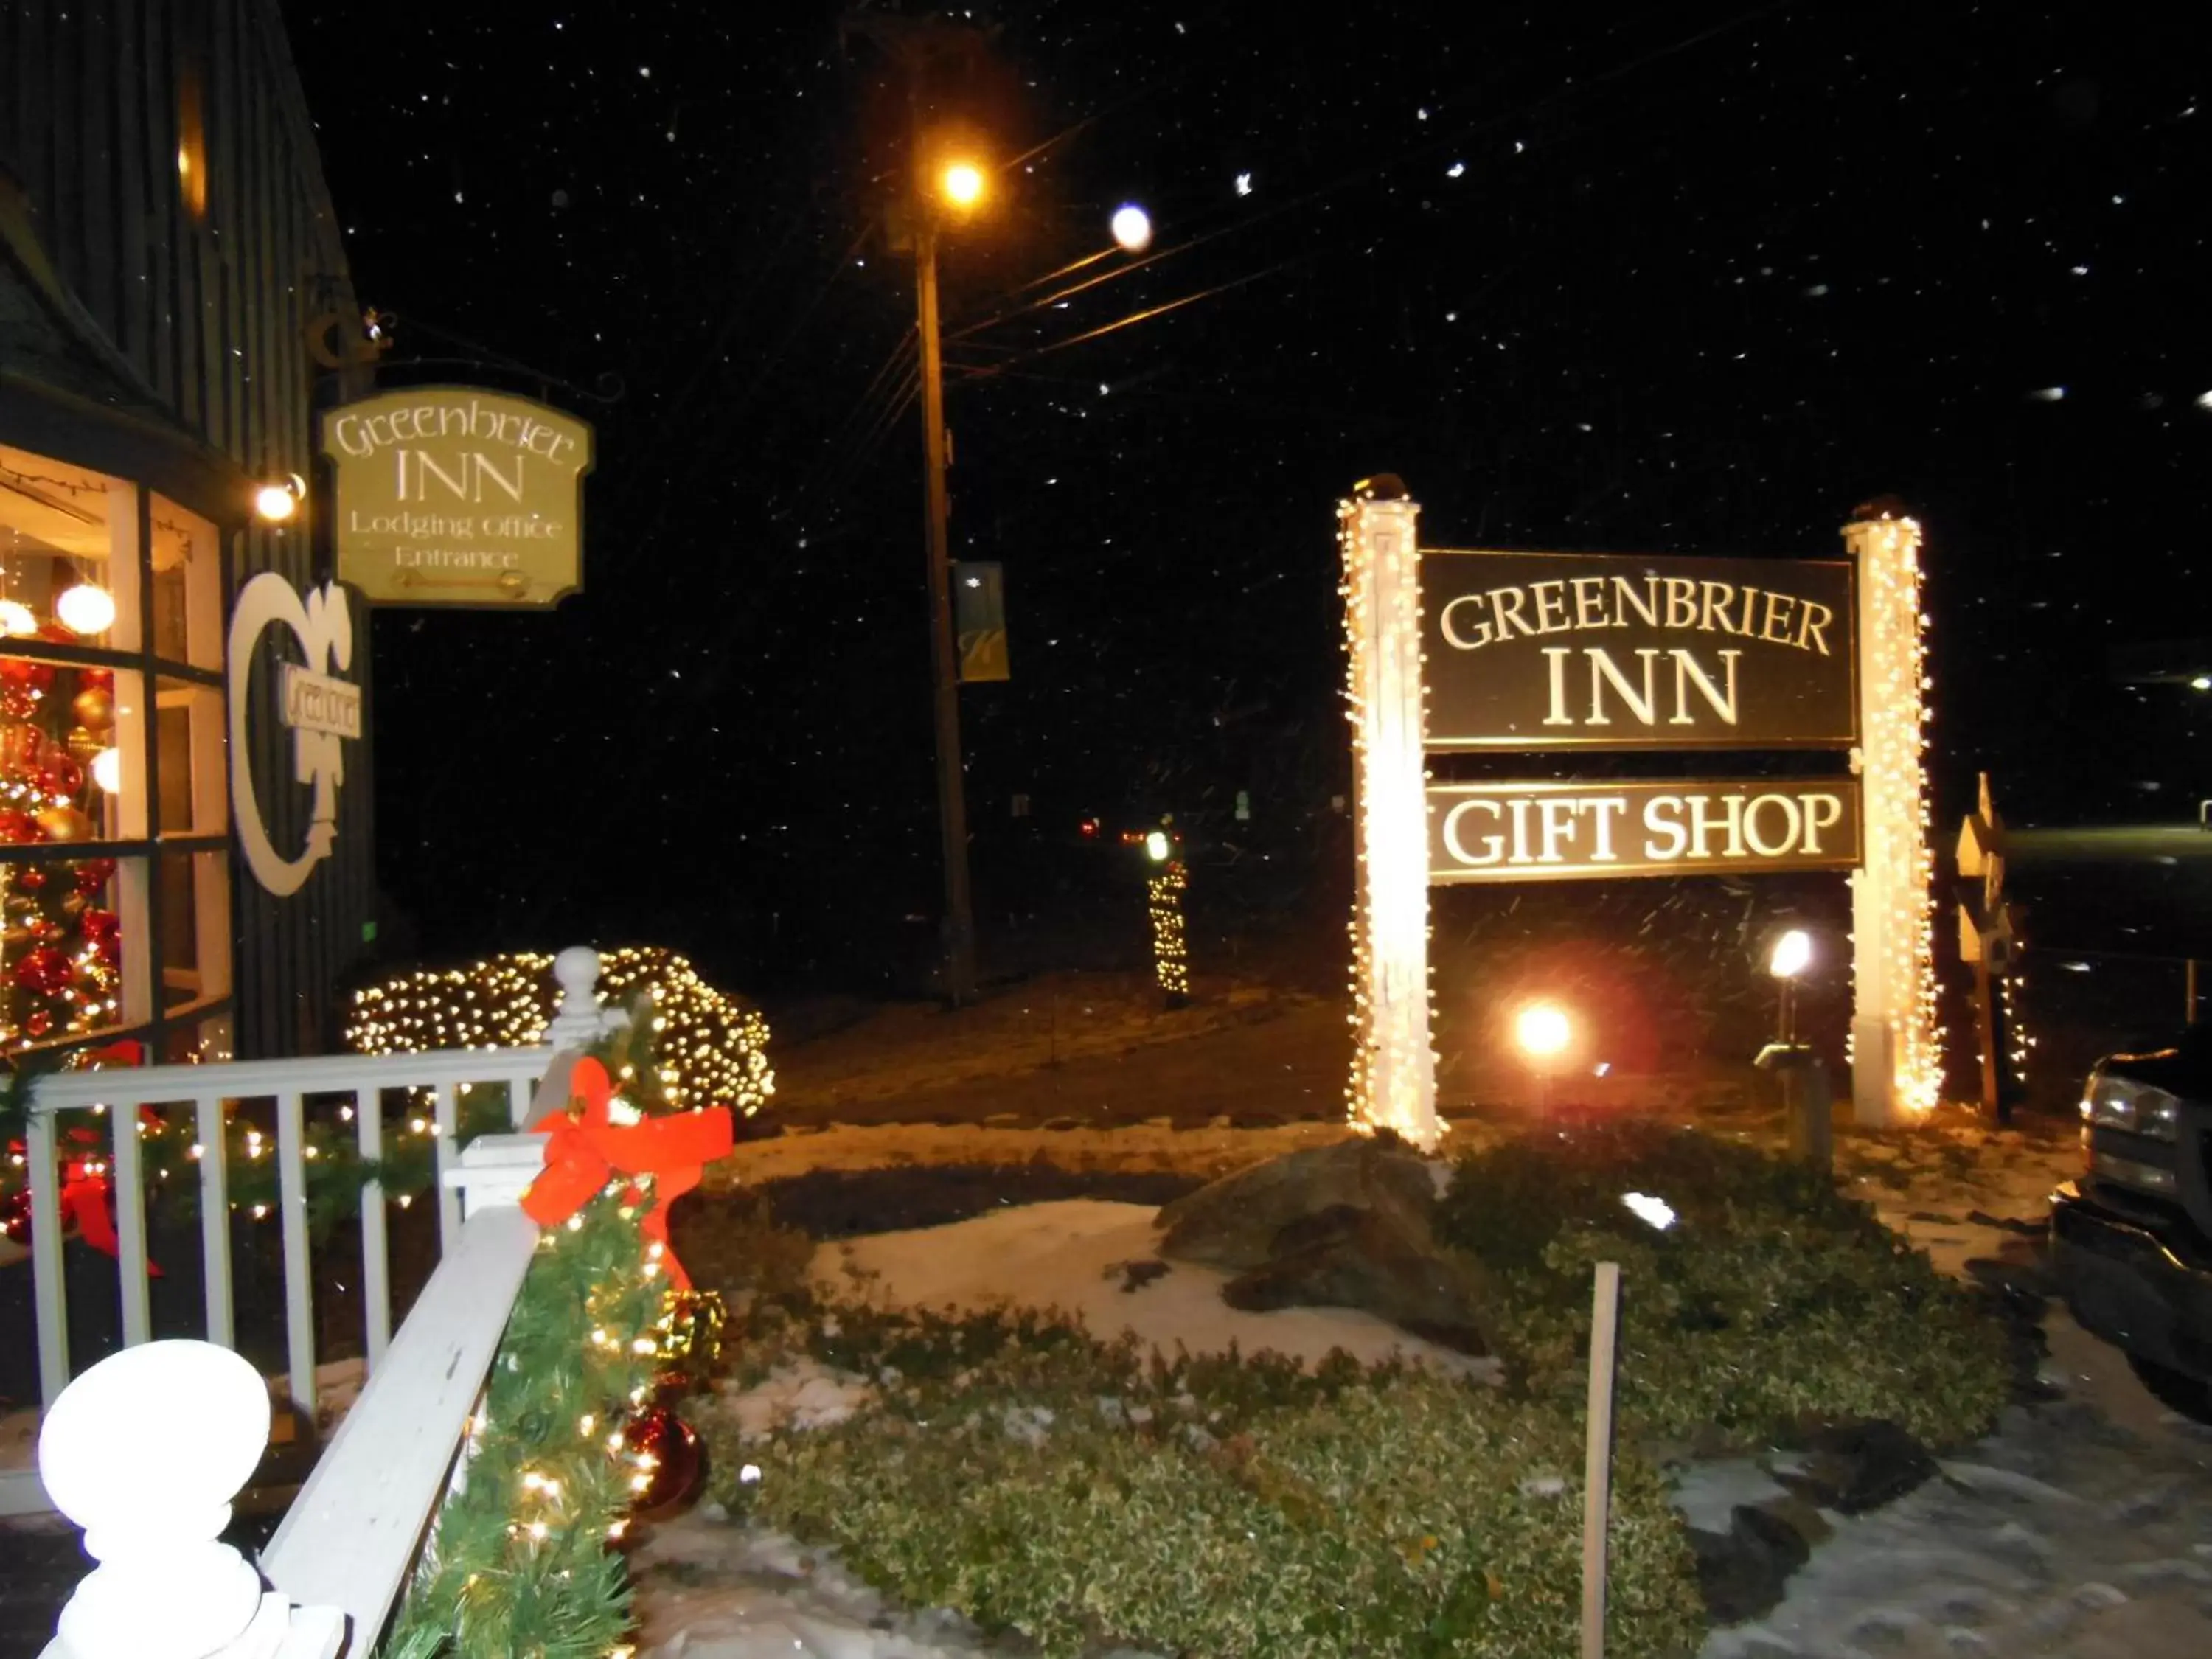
{"type": "Point", "coordinates": [31, 878]}
{"type": "Point", "coordinates": [678, 1471]}
{"type": "Point", "coordinates": [21, 673]}
{"type": "Point", "coordinates": [93, 874]}
{"type": "Point", "coordinates": [58, 774]}
{"type": "Point", "coordinates": [45, 971]}
{"type": "Point", "coordinates": [39, 1023]}
{"type": "Point", "coordinates": [18, 827]}
{"type": "Point", "coordinates": [96, 679]}
{"type": "Point", "coordinates": [21, 745]}
{"type": "Point", "coordinates": [103, 931]}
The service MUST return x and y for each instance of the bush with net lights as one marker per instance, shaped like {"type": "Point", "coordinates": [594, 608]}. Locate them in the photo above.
{"type": "Point", "coordinates": [712, 1047]}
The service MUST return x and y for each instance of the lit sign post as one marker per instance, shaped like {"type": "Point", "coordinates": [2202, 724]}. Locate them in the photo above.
{"type": "Point", "coordinates": [1394, 1069]}
{"type": "Point", "coordinates": [1510, 651]}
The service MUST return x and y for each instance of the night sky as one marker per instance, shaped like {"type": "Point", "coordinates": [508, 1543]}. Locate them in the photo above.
{"type": "Point", "coordinates": [1666, 277]}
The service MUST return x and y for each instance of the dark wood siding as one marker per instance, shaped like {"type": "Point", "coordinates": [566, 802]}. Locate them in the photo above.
{"type": "Point", "coordinates": [212, 312]}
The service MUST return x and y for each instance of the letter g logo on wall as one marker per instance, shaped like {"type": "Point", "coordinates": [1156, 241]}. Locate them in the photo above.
{"type": "Point", "coordinates": [323, 625]}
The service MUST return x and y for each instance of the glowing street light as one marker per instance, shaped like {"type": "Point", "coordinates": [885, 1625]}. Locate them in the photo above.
{"type": "Point", "coordinates": [961, 184]}
{"type": "Point", "coordinates": [1156, 847]}
{"type": "Point", "coordinates": [1542, 1031]}
{"type": "Point", "coordinates": [1791, 956]}
{"type": "Point", "coordinates": [1132, 228]}
{"type": "Point", "coordinates": [1804, 1078]}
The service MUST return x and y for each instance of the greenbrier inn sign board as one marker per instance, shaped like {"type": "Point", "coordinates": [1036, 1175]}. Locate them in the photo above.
{"type": "Point", "coordinates": [451, 496]}
{"type": "Point", "coordinates": [1609, 651]}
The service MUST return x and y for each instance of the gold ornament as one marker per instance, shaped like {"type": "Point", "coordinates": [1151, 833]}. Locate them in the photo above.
{"type": "Point", "coordinates": [83, 744]}
{"type": "Point", "coordinates": [94, 709]}
{"type": "Point", "coordinates": [64, 823]}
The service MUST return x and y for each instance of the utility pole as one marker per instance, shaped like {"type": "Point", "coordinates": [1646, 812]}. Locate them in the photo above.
{"type": "Point", "coordinates": [952, 785]}
{"type": "Point", "coordinates": [914, 45]}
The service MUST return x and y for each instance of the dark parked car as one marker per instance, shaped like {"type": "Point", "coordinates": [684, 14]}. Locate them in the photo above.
{"type": "Point", "coordinates": [2132, 1240]}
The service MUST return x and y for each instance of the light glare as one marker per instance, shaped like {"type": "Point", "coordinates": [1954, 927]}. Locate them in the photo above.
{"type": "Point", "coordinates": [1132, 228]}
{"type": "Point", "coordinates": [86, 609]}
{"type": "Point", "coordinates": [1793, 954]}
{"type": "Point", "coordinates": [962, 184]}
{"type": "Point", "coordinates": [1542, 1031]}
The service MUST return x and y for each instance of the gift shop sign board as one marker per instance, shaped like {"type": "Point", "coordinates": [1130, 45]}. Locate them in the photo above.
{"type": "Point", "coordinates": [450, 496]}
{"type": "Point", "coordinates": [1559, 831]}
{"type": "Point", "coordinates": [1604, 651]}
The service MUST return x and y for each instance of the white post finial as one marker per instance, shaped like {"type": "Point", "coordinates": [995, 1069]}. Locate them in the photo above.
{"type": "Point", "coordinates": [145, 1451]}
{"type": "Point", "coordinates": [576, 970]}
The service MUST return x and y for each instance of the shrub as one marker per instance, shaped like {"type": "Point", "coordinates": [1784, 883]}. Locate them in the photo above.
{"type": "Point", "coordinates": [1072, 1491]}
{"type": "Point", "coordinates": [711, 1046]}
{"type": "Point", "coordinates": [1773, 1298]}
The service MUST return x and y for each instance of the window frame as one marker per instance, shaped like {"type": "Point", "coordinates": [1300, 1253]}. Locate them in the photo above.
{"type": "Point", "coordinates": [145, 987]}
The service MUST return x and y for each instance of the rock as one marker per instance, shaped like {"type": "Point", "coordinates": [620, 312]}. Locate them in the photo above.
{"type": "Point", "coordinates": [1233, 1222]}
{"type": "Point", "coordinates": [1135, 1275]}
{"type": "Point", "coordinates": [1854, 1466]}
{"type": "Point", "coordinates": [1744, 1571]}
{"type": "Point", "coordinates": [2097, 1597]}
{"type": "Point", "coordinates": [1346, 1257]}
{"type": "Point", "coordinates": [2028, 1280]}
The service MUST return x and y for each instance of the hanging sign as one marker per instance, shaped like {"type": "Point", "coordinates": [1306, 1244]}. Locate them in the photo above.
{"type": "Point", "coordinates": [322, 710]}
{"type": "Point", "coordinates": [1607, 651]}
{"type": "Point", "coordinates": [450, 496]}
{"type": "Point", "coordinates": [1558, 832]}
{"type": "Point", "coordinates": [979, 620]}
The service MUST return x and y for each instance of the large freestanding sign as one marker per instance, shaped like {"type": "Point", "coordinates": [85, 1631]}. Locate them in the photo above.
{"type": "Point", "coordinates": [451, 496]}
{"type": "Point", "coordinates": [1509, 651]}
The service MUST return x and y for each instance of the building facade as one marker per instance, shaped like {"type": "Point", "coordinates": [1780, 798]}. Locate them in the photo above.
{"type": "Point", "coordinates": [185, 853]}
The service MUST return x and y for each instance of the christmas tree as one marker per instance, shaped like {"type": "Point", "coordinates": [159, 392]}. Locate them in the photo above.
{"type": "Point", "coordinates": [60, 939]}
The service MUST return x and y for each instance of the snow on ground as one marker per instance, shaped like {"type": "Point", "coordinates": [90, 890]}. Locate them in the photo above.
{"type": "Point", "coordinates": [1070, 1255]}
{"type": "Point", "coordinates": [2061, 1535]}
{"type": "Point", "coordinates": [2080, 1529]}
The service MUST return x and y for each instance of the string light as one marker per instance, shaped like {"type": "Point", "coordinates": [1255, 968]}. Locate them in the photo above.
{"type": "Point", "coordinates": [1170, 950]}
{"type": "Point", "coordinates": [1394, 1077]}
{"type": "Point", "coordinates": [715, 1046]}
{"type": "Point", "coordinates": [1893, 911]}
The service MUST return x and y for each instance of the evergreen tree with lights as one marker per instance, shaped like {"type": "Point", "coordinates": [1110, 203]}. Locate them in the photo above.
{"type": "Point", "coordinates": [61, 949]}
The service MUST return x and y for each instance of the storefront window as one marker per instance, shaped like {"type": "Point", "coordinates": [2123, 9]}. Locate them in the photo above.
{"type": "Point", "coordinates": [114, 886]}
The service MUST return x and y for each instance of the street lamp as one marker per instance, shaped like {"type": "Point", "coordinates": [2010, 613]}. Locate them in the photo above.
{"type": "Point", "coordinates": [961, 184]}
{"type": "Point", "coordinates": [1805, 1096]}
{"type": "Point", "coordinates": [1792, 954]}
{"type": "Point", "coordinates": [959, 187]}
{"type": "Point", "coordinates": [1542, 1031]}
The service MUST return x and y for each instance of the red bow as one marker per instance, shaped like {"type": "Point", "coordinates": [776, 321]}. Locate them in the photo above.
{"type": "Point", "coordinates": [585, 1147]}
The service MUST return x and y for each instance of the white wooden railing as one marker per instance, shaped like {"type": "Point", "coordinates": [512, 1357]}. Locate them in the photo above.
{"type": "Point", "coordinates": [153, 1501]}
{"type": "Point", "coordinates": [118, 1095]}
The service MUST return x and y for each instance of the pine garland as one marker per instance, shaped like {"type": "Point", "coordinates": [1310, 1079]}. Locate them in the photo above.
{"type": "Point", "coordinates": [520, 1559]}
{"type": "Point", "coordinates": [519, 1562]}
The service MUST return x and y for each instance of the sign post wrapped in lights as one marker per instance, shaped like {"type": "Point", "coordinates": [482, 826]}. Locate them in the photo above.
{"type": "Point", "coordinates": [1896, 1056]}
{"type": "Point", "coordinates": [1394, 1068]}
